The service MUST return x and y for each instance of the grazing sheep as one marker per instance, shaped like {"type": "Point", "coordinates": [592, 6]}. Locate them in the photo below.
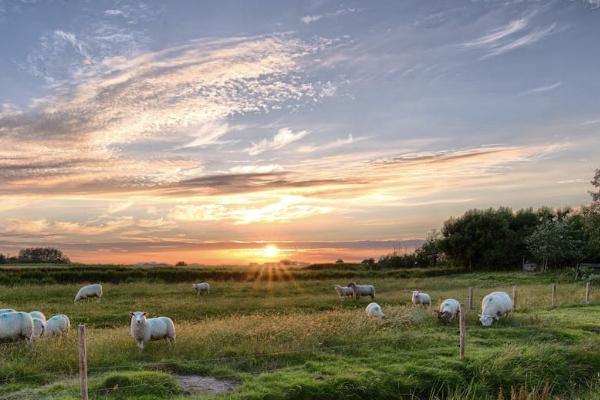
{"type": "Point", "coordinates": [493, 306]}
{"type": "Point", "coordinates": [85, 292]}
{"type": "Point", "coordinates": [201, 287]}
{"type": "Point", "coordinates": [449, 309]}
{"type": "Point", "coordinates": [344, 291]}
{"type": "Point", "coordinates": [145, 329]}
{"type": "Point", "coordinates": [38, 314]}
{"type": "Point", "coordinates": [362, 290]}
{"type": "Point", "coordinates": [374, 310]}
{"type": "Point", "coordinates": [420, 298]}
{"type": "Point", "coordinates": [16, 325]}
{"type": "Point", "coordinates": [5, 310]}
{"type": "Point", "coordinates": [39, 327]}
{"type": "Point", "coordinates": [58, 325]}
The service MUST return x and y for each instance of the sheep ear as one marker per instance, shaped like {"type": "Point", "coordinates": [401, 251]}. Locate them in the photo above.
{"type": "Point", "coordinates": [132, 313]}
{"type": "Point", "coordinates": [146, 314]}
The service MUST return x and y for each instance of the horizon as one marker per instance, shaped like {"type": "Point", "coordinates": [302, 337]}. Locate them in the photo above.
{"type": "Point", "coordinates": [258, 131]}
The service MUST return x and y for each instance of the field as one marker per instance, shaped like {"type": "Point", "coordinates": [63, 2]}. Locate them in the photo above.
{"type": "Point", "coordinates": [293, 338]}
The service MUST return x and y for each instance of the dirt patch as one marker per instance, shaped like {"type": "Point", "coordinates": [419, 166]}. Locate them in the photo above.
{"type": "Point", "coordinates": [199, 385]}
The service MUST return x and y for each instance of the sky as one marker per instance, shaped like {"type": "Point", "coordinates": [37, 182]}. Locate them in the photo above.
{"type": "Point", "coordinates": [135, 131]}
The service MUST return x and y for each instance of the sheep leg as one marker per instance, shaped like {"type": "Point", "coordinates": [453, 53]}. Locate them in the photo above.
{"type": "Point", "coordinates": [140, 345]}
{"type": "Point", "coordinates": [98, 300]}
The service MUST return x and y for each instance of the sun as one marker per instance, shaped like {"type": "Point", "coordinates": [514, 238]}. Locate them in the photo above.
{"type": "Point", "coordinates": [270, 251]}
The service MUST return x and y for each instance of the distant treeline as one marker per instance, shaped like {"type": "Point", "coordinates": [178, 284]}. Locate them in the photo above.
{"type": "Point", "coordinates": [36, 255]}
{"type": "Point", "coordinates": [500, 239]}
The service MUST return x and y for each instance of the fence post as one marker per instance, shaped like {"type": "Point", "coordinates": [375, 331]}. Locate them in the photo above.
{"type": "Point", "coordinates": [554, 295]}
{"type": "Point", "coordinates": [461, 324]}
{"type": "Point", "coordinates": [514, 297]}
{"type": "Point", "coordinates": [83, 384]}
{"type": "Point", "coordinates": [587, 293]}
{"type": "Point", "coordinates": [470, 298]}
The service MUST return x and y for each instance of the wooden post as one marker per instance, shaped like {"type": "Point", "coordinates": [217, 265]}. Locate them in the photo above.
{"type": "Point", "coordinates": [554, 295]}
{"type": "Point", "coordinates": [83, 384]}
{"type": "Point", "coordinates": [461, 339]}
{"type": "Point", "coordinates": [514, 298]}
{"type": "Point", "coordinates": [587, 293]}
{"type": "Point", "coordinates": [470, 298]}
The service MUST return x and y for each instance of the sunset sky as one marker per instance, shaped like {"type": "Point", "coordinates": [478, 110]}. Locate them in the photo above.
{"type": "Point", "coordinates": [205, 131]}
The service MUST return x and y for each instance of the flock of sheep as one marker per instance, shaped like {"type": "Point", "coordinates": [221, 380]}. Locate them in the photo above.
{"type": "Point", "coordinates": [493, 305]}
{"type": "Point", "coordinates": [15, 325]}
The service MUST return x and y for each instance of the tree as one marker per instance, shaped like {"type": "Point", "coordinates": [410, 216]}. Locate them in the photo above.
{"type": "Point", "coordinates": [595, 193]}
{"type": "Point", "coordinates": [556, 242]}
{"type": "Point", "coordinates": [42, 255]}
{"type": "Point", "coordinates": [181, 264]}
{"type": "Point", "coordinates": [2, 259]}
{"type": "Point", "coordinates": [339, 261]}
{"type": "Point", "coordinates": [430, 253]}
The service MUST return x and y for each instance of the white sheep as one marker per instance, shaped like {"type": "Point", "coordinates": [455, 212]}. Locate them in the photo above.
{"type": "Point", "coordinates": [38, 314]}
{"type": "Point", "coordinates": [145, 329]}
{"type": "Point", "coordinates": [39, 327]}
{"type": "Point", "coordinates": [344, 291]}
{"type": "Point", "coordinates": [493, 306]}
{"type": "Point", "coordinates": [420, 298]}
{"type": "Point", "coordinates": [201, 287]}
{"type": "Point", "coordinates": [5, 310]}
{"type": "Point", "coordinates": [362, 290]}
{"type": "Point", "coordinates": [16, 325]}
{"type": "Point", "coordinates": [57, 325]}
{"type": "Point", "coordinates": [448, 310]}
{"type": "Point", "coordinates": [374, 310]}
{"type": "Point", "coordinates": [85, 292]}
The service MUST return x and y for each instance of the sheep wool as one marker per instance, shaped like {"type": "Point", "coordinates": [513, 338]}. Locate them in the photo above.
{"type": "Point", "coordinates": [493, 306]}
{"type": "Point", "coordinates": [145, 329]}
{"type": "Point", "coordinates": [5, 310]}
{"type": "Point", "coordinates": [374, 310]}
{"type": "Point", "coordinates": [58, 325]}
{"type": "Point", "coordinates": [38, 314]}
{"type": "Point", "coordinates": [88, 291]}
{"type": "Point", "coordinates": [203, 287]}
{"type": "Point", "coordinates": [344, 291]}
{"type": "Point", "coordinates": [420, 298]}
{"type": "Point", "coordinates": [39, 326]}
{"type": "Point", "coordinates": [448, 310]}
{"type": "Point", "coordinates": [362, 290]}
{"type": "Point", "coordinates": [15, 326]}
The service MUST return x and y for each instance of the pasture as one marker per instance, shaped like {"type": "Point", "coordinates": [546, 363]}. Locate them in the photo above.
{"type": "Point", "coordinates": [294, 339]}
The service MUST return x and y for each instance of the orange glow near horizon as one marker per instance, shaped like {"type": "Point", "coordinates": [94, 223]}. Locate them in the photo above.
{"type": "Point", "coordinates": [271, 251]}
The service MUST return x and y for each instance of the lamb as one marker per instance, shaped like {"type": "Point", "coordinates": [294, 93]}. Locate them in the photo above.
{"type": "Point", "coordinates": [420, 298]}
{"type": "Point", "coordinates": [362, 290]}
{"type": "Point", "coordinates": [449, 309]}
{"type": "Point", "coordinates": [145, 329]}
{"type": "Point", "coordinates": [344, 291]}
{"type": "Point", "coordinates": [493, 306]}
{"type": "Point", "coordinates": [15, 326]}
{"type": "Point", "coordinates": [39, 327]}
{"type": "Point", "coordinates": [38, 314]}
{"type": "Point", "coordinates": [374, 310]}
{"type": "Point", "coordinates": [58, 325]}
{"type": "Point", "coordinates": [85, 292]}
{"type": "Point", "coordinates": [201, 287]}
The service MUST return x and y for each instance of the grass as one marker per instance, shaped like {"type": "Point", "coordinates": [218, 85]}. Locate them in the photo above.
{"type": "Point", "coordinates": [293, 339]}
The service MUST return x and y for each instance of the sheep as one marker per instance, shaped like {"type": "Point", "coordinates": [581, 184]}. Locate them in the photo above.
{"type": "Point", "coordinates": [16, 325]}
{"type": "Point", "coordinates": [201, 287]}
{"type": "Point", "coordinates": [6, 310]}
{"type": "Point", "coordinates": [374, 310]}
{"type": "Point", "coordinates": [420, 298]}
{"type": "Point", "coordinates": [39, 326]}
{"type": "Point", "coordinates": [145, 329]}
{"type": "Point", "coordinates": [38, 314]}
{"type": "Point", "coordinates": [94, 290]}
{"type": "Point", "coordinates": [448, 310]}
{"type": "Point", "coordinates": [344, 291]}
{"type": "Point", "coordinates": [362, 290]}
{"type": "Point", "coordinates": [493, 306]}
{"type": "Point", "coordinates": [58, 325]}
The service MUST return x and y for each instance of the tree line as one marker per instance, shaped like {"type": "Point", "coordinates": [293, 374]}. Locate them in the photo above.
{"type": "Point", "coordinates": [36, 255]}
{"type": "Point", "coordinates": [500, 238]}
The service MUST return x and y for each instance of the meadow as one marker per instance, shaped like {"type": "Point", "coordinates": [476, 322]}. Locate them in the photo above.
{"type": "Point", "coordinates": [290, 337]}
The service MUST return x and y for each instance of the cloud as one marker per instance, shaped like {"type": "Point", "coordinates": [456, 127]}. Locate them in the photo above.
{"type": "Point", "coordinates": [309, 19]}
{"type": "Point", "coordinates": [332, 145]}
{"type": "Point", "coordinates": [541, 89]}
{"type": "Point", "coordinates": [283, 137]}
{"type": "Point", "coordinates": [510, 37]}
{"type": "Point", "coordinates": [256, 169]}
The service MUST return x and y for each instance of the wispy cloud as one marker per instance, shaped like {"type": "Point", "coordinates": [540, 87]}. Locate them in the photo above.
{"type": "Point", "coordinates": [332, 145]}
{"type": "Point", "coordinates": [309, 19]}
{"type": "Point", "coordinates": [510, 37]}
{"type": "Point", "coordinates": [283, 137]}
{"type": "Point", "coordinates": [541, 89]}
